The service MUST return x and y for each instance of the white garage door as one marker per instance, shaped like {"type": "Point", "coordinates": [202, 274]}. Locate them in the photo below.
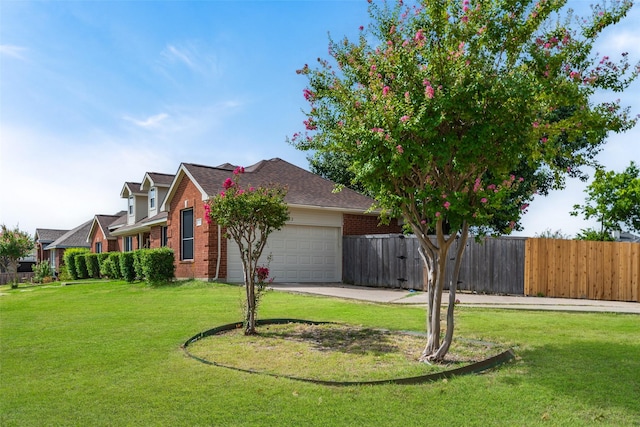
{"type": "Point", "coordinates": [300, 253]}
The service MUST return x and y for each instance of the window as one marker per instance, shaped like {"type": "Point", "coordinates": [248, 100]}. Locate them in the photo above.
{"type": "Point", "coordinates": [152, 198]}
{"type": "Point", "coordinates": [128, 243]}
{"type": "Point", "coordinates": [98, 247]}
{"type": "Point", "coordinates": [163, 236]}
{"type": "Point", "coordinates": [130, 205]}
{"type": "Point", "coordinates": [186, 234]}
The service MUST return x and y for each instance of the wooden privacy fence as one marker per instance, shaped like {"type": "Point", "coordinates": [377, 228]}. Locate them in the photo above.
{"type": "Point", "coordinates": [494, 265]}
{"type": "Point", "coordinates": [583, 269]}
{"type": "Point", "coordinates": [8, 277]}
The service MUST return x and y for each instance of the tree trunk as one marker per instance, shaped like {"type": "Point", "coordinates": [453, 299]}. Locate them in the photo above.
{"type": "Point", "coordinates": [250, 321]}
{"type": "Point", "coordinates": [435, 259]}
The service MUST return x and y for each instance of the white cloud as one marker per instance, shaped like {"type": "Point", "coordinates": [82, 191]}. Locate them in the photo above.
{"type": "Point", "coordinates": [149, 122]}
{"type": "Point", "coordinates": [193, 56]}
{"type": "Point", "coordinates": [13, 51]}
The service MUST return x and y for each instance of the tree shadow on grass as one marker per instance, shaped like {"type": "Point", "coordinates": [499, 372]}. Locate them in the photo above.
{"type": "Point", "coordinates": [603, 375]}
{"type": "Point", "coordinates": [336, 338]}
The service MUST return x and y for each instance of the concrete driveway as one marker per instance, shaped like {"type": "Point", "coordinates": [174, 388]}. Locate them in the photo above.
{"type": "Point", "coordinates": [402, 296]}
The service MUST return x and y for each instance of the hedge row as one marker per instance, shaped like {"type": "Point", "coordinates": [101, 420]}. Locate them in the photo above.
{"type": "Point", "coordinates": [152, 265]}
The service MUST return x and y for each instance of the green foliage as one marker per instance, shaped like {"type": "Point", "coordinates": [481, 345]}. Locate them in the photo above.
{"type": "Point", "coordinates": [93, 265]}
{"type": "Point", "coordinates": [335, 167]}
{"type": "Point", "coordinates": [157, 265]}
{"type": "Point", "coordinates": [249, 216]}
{"type": "Point", "coordinates": [42, 271]}
{"type": "Point", "coordinates": [549, 234]}
{"type": "Point", "coordinates": [69, 258]}
{"type": "Point", "coordinates": [14, 244]}
{"type": "Point", "coordinates": [110, 267]}
{"type": "Point", "coordinates": [613, 199]}
{"type": "Point", "coordinates": [138, 259]}
{"type": "Point", "coordinates": [81, 265]}
{"type": "Point", "coordinates": [594, 235]}
{"type": "Point", "coordinates": [127, 270]}
{"type": "Point", "coordinates": [452, 114]}
{"type": "Point", "coordinates": [63, 273]}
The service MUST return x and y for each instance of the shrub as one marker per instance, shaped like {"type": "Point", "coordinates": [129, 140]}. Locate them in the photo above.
{"type": "Point", "coordinates": [111, 266]}
{"type": "Point", "coordinates": [157, 265]}
{"type": "Point", "coordinates": [102, 256]}
{"type": "Point", "coordinates": [63, 273]}
{"type": "Point", "coordinates": [81, 266]}
{"type": "Point", "coordinates": [69, 258]}
{"type": "Point", "coordinates": [42, 271]}
{"type": "Point", "coordinates": [93, 265]}
{"type": "Point", "coordinates": [126, 266]}
{"type": "Point", "coordinates": [138, 257]}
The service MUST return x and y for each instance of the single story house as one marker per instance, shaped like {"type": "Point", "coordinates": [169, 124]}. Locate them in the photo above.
{"type": "Point", "coordinates": [76, 238]}
{"type": "Point", "coordinates": [307, 249]}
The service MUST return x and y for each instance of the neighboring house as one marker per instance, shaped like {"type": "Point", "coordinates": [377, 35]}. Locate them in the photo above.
{"type": "Point", "coordinates": [146, 223]}
{"type": "Point", "coordinates": [100, 238]}
{"type": "Point", "coordinates": [627, 237]}
{"type": "Point", "coordinates": [43, 238]}
{"type": "Point", "coordinates": [307, 249]}
{"type": "Point", "coordinates": [76, 238]}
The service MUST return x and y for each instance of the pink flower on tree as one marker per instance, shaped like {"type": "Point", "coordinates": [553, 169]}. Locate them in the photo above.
{"type": "Point", "coordinates": [447, 205]}
{"type": "Point", "coordinates": [483, 200]}
{"type": "Point", "coordinates": [238, 170]}
{"type": "Point", "coordinates": [403, 119]}
{"type": "Point", "coordinates": [400, 149]}
{"type": "Point", "coordinates": [228, 183]}
{"type": "Point", "coordinates": [385, 90]}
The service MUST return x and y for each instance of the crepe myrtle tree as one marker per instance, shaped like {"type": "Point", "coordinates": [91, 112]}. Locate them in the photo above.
{"type": "Point", "coordinates": [249, 216]}
{"type": "Point", "coordinates": [14, 244]}
{"type": "Point", "coordinates": [440, 104]}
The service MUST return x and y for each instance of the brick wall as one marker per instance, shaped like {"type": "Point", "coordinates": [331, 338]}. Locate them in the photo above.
{"type": "Point", "coordinates": [155, 237]}
{"type": "Point", "coordinates": [358, 225]}
{"type": "Point", "coordinates": [205, 236]}
{"type": "Point", "coordinates": [98, 237]}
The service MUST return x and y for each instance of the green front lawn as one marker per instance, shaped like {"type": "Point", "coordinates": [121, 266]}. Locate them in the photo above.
{"type": "Point", "coordinates": [109, 354]}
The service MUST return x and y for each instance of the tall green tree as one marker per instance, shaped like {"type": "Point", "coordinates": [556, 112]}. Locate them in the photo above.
{"type": "Point", "coordinates": [439, 104]}
{"type": "Point", "coordinates": [249, 215]}
{"type": "Point", "coordinates": [14, 244]}
{"type": "Point", "coordinates": [613, 199]}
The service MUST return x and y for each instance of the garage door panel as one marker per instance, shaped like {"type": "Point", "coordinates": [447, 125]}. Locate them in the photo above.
{"type": "Point", "coordinates": [299, 254]}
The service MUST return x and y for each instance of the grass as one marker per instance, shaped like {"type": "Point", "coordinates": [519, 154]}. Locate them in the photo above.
{"type": "Point", "coordinates": [109, 354]}
{"type": "Point", "coordinates": [333, 352]}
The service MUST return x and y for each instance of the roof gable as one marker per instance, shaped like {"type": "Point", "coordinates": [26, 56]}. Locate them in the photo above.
{"type": "Point", "coordinates": [155, 179]}
{"type": "Point", "coordinates": [130, 189]}
{"type": "Point", "coordinates": [103, 223]}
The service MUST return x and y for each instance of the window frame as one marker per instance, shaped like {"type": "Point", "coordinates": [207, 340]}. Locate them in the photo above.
{"type": "Point", "coordinates": [128, 243]}
{"type": "Point", "coordinates": [152, 198]}
{"type": "Point", "coordinates": [187, 240]}
{"type": "Point", "coordinates": [164, 236]}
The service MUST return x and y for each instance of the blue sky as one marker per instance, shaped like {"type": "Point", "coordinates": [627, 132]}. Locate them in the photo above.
{"type": "Point", "coordinates": [96, 93]}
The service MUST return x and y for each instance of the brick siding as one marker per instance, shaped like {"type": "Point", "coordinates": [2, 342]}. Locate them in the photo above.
{"type": "Point", "coordinates": [205, 236]}
{"type": "Point", "coordinates": [358, 225]}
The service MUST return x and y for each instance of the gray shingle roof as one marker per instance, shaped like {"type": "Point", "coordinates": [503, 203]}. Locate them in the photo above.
{"type": "Point", "coordinates": [76, 238]}
{"type": "Point", "coordinates": [303, 187]}
{"type": "Point", "coordinates": [47, 235]}
{"type": "Point", "coordinates": [105, 222]}
{"type": "Point", "coordinates": [161, 179]}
